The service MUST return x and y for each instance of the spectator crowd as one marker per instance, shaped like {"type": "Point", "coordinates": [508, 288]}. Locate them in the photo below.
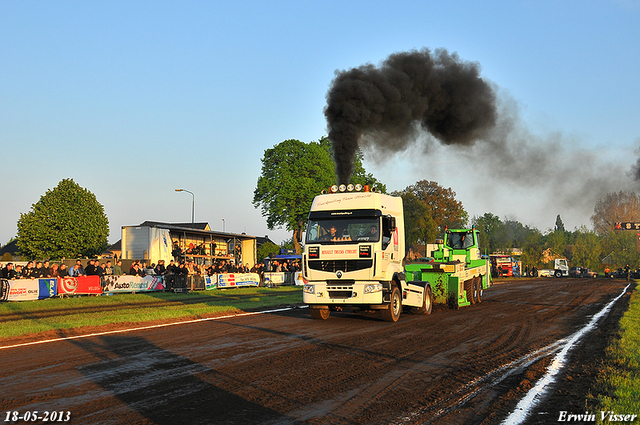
{"type": "Point", "coordinates": [45, 269]}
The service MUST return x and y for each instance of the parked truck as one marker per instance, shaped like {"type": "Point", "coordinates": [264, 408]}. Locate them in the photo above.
{"type": "Point", "coordinates": [558, 268]}
{"type": "Point", "coordinates": [353, 259]}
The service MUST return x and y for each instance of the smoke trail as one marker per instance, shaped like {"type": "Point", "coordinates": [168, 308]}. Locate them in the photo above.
{"type": "Point", "coordinates": [387, 105]}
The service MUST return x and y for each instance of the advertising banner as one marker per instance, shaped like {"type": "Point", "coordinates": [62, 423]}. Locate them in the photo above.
{"type": "Point", "coordinates": [273, 278]}
{"type": "Point", "coordinates": [299, 281]}
{"type": "Point", "coordinates": [31, 289]}
{"type": "Point", "coordinates": [80, 285]}
{"type": "Point", "coordinates": [232, 280]}
{"type": "Point", "coordinates": [127, 283]}
{"type": "Point", "coordinates": [210, 282]}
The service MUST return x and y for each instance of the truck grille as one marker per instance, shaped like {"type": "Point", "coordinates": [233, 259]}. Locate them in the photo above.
{"type": "Point", "coordinates": [344, 265]}
{"type": "Point", "coordinates": [340, 294]}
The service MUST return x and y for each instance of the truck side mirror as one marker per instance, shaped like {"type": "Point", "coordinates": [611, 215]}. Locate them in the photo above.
{"type": "Point", "coordinates": [390, 225]}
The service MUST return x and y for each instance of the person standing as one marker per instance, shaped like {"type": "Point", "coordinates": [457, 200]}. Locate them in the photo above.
{"type": "Point", "coordinates": [160, 270]}
{"type": "Point", "coordinates": [27, 272]}
{"type": "Point", "coordinates": [38, 271]}
{"type": "Point", "coordinates": [79, 271]}
{"type": "Point", "coordinates": [63, 271]}
{"type": "Point", "coordinates": [117, 269]}
{"type": "Point", "coordinates": [108, 269]}
{"type": "Point", "coordinates": [47, 269]}
{"type": "Point", "coordinates": [90, 270]}
{"type": "Point", "coordinates": [8, 272]}
{"type": "Point", "coordinates": [53, 271]}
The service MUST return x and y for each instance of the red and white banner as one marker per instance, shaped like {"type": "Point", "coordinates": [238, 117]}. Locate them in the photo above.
{"type": "Point", "coordinates": [80, 285]}
{"type": "Point", "coordinates": [232, 280]}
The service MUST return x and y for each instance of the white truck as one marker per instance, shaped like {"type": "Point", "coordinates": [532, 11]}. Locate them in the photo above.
{"type": "Point", "coordinates": [353, 256]}
{"type": "Point", "coordinates": [560, 269]}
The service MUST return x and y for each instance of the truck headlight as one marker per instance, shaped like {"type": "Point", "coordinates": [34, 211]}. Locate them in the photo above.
{"type": "Point", "coordinates": [309, 289]}
{"type": "Point", "coordinates": [372, 287]}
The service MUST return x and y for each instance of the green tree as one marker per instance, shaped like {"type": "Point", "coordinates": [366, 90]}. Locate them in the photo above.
{"type": "Point", "coordinates": [266, 250]}
{"type": "Point", "coordinates": [557, 241]}
{"type": "Point", "coordinates": [488, 226]}
{"type": "Point", "coordinates": [622, 247]}
{"type": "Point", "coordinates": [559, 224]}
{"type": "Point", "coordinates": [66, 222]}
{"type": "Point", "coordinates": [532, 247]}
{"type": "Point", "coordinates": [512, 234]}
{"type": "Point", "coordinates": [586, 249]}
{"type": "Point", "coordinates": [441, 203]}
{"type": "Point", "coordinates": [419, 227]}
{"type": "Point", "coordinates": [293, 173]}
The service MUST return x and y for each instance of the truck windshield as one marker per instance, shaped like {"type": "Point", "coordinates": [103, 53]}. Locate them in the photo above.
{"type": "Point", "coordinates": [459, 240]}
{"type": "Point", "coordinates": [355, 229]}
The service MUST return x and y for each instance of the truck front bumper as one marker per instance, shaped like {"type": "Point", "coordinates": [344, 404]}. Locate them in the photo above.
{"type": "Point", "coordinates": [358, 293]}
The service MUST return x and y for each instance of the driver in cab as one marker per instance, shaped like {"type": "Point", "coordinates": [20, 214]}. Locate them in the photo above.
{"type": "Point", "coordinates": [373, 235]}
{"type": "Point", "coordinates": [334, 235]}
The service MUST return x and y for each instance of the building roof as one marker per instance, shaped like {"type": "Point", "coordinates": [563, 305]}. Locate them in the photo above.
{"type": "Point", "coordinates": [260, 240]}
{"type": "Point", "coordinates": [11, 248]}
{"type": "Point", "coordinates": [197, 228]}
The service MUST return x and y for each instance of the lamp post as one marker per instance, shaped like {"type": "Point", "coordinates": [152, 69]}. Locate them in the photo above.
{"type": "Point", "coordinates": [223, 224]}
{"type": "Point", "coordinates": [193, 204]}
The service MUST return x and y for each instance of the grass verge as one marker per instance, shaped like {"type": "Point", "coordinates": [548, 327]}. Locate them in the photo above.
{"type": "Point", "coordinates": [618, 383]}
{"type": "Point", "coordinates": [28, 317]}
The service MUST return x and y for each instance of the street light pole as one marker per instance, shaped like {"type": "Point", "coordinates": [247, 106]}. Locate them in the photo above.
{"type": "Point", "coordinates": [223, 224]}
{"type": "Point", "coordinates": [193, 205]}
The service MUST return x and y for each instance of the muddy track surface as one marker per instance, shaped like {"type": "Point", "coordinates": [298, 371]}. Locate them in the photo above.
{"type": "Point", "coordinates": [469, 366]}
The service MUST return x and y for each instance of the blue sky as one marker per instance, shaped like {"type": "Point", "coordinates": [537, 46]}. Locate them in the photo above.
{"type": "Point", "coordinates": [135, 99]}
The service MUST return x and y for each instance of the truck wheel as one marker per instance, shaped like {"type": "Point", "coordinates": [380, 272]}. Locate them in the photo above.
{"type": "Point", "coordinates": [558, 273]}
{"type": "Point", "coordinates": [319, 313]}
{"type": "Point", "coordinates": [393, 310]}
{"type": "Point", "coordinates": [479, 289]}
{"type": "Point", "coordinates": [427, 303]}
{"type": "Point", "coordinates": [469, 288]}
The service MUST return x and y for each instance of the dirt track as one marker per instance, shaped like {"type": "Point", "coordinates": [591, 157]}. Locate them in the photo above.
{"type": "Point", "coordinates": [282, 368]}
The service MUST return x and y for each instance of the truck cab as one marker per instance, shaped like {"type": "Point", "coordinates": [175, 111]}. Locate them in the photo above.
{"type": "Point", "coordinates": [353, 253]}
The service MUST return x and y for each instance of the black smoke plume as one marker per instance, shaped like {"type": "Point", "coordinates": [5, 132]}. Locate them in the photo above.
{"type": "Point", "coordinates": [436, 92]}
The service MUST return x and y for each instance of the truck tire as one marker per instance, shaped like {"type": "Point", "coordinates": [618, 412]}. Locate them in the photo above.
{"type": "Point", "coordinates": [319, 313]}
{"type": "Point", "coordinates": [470, 289]}
{"type": "Point", "coordinates": [393, 310]}
{"type": "Point", "coordinates": [427, 303]}
{"type": "Point", "coordinates": [478, 289]}
{"type": "Point", "coordinates": [558, 273]}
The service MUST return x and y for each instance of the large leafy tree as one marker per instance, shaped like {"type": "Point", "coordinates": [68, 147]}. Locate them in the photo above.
{"type": "Point", "coordinates": [293, 173]}
{"type": "Point", "coordinates": [419, 227]}
{"type": "Point", "coordinates": [441, 203]}
{"type": "Point", "coordinates": [586, 248]}
{"type": "Point", "coordinates": [66, 222]}
{"type": "Point", "coordinates": [488, 225]}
